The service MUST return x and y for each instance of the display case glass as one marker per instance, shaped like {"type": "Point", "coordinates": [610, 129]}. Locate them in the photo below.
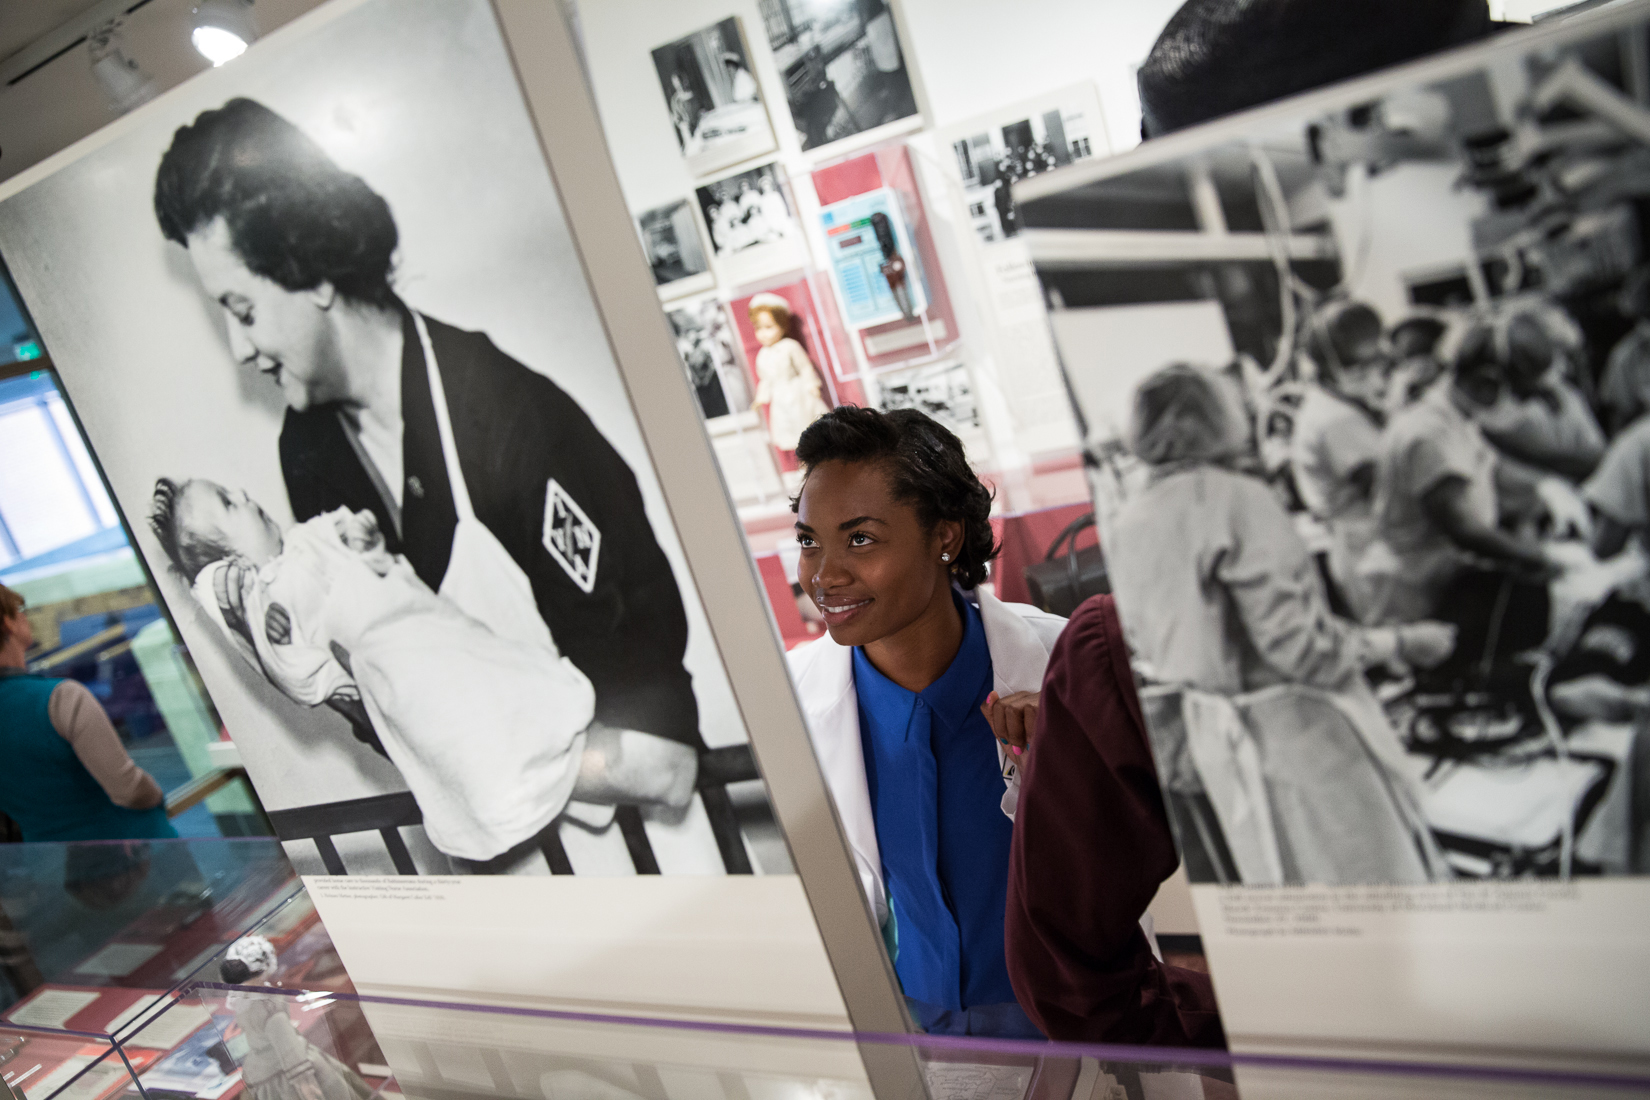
{"type": "Point", "coordinates": [287, 1044]}
{"type": "Point", "coordinates": [99, 935]}
{"type": "Point", "coordinates": [297, 1029]}
{"type": "Point", "coordinates": [40, 1062]}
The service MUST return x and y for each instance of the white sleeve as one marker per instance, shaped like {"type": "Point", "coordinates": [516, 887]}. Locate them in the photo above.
{"type": "Point", "coordinates": [294, 659]}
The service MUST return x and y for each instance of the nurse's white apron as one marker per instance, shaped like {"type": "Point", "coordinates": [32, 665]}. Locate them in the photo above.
{"type": "Point", "coordinates": [487, 584]}
{"type": "Point", "coordinates": [482, 578]}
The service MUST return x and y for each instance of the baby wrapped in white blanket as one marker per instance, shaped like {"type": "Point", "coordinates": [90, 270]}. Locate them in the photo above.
{"type": "Point", "coordinates": [488, 733]}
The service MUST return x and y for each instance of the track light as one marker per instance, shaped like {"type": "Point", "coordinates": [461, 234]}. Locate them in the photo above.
{"type": "Point", "coordinates": [223, 29]}
{"type": "Point", "coordinates": [124, 83]}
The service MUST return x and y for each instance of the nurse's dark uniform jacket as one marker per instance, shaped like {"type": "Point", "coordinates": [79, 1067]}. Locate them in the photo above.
{"type": "Point", "coordinates": [551, 489]}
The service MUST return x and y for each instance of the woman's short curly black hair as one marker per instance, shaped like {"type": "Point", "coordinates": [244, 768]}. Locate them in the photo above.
{"type": "Point", "coordinates": [293, 215]}
{"type": "Point", "coordinates": [926, 467]}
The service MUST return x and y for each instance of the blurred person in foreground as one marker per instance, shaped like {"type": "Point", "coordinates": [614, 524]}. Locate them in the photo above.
{"type": "Point", "coordinates": [67, 775]}
{"type": "Point", "coordinates": [1092, 844]}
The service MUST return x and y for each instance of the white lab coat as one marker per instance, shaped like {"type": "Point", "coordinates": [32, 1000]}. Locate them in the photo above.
{"type": "Point", "coordinates": [1019, 638]}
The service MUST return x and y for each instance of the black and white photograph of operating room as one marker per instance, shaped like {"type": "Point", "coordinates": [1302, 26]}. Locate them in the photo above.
{"type": "Point", "coordinates": [1366, 393]}
{"type": "Point", "coordinates": [842, 64]}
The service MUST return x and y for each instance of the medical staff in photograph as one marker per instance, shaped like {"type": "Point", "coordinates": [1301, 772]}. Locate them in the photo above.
{"type": "Point", "coordinates": [1219, 596]}
{"type": "Point", "coordinates": [1442, 491]}
{"type": "Point", "coordinates": [1338, 434]}
{"type": "Point", "coordinates": [487, 476]}
{"type": "Point", "coordinates": [899, 697]}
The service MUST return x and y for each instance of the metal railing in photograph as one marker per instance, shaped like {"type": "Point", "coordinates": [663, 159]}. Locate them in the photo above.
{"type": "Point", "coordinates": [387, 814]}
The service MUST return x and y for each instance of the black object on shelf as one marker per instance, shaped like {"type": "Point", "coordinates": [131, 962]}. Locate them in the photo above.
{"type": "Point", "coordinates": [1067, 576]}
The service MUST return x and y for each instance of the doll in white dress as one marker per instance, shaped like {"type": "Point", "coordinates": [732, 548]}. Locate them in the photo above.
{"type": "Point", "coordinates": [279, 1063]}
{"type": "Point", "coordinates": [787, 382]}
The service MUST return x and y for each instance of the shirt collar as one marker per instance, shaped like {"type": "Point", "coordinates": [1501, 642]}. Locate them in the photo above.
{"type": "Point", "coordinates": [960, 688]}
{"type": "Point", "coordinates": [953, 696]}
{"type": "Point", "coordinates": [878, 695]}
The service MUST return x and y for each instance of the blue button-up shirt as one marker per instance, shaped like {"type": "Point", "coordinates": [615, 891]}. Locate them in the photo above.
{"type": "Point", "coordinates": [936, 788]}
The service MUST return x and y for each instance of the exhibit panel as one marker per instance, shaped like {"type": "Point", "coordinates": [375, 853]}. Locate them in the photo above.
{"type": "Point", "coordinates": [315, 736]}
{"type": "Point", "coordinates": [407, 480]}
{"type": "Point", "coordinates": [1397, 732]}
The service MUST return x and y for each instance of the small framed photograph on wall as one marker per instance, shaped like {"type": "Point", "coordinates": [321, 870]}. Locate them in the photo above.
{"type": "Point", "coordinates": [843, 67]}
{"type": "Point", "coordinates": [715, 103]}
{"type": "Point", "coordinates": [942, 390]}
{"type": "Point", "coordinates": [753, 228]}
{"type": "Point", "coordinates": [708, 346]}
{"type": "Point", "coordinates": [675, 252]}
{"type": "Point", "coordinates": [992, 152]}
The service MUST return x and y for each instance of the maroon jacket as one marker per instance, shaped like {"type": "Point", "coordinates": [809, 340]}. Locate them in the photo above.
{"type": "Point", "coordinates": [1091, 846]}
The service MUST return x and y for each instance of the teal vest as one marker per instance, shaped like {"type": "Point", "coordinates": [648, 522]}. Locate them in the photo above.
{"type": "Point", "coordinates": [43, 785]}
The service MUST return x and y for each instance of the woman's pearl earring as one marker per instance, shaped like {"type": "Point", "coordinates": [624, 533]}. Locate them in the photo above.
{"type": "Point", "coordinates": [945, 557]}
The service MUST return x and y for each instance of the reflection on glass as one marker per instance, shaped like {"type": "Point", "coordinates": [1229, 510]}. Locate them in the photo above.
{"type": "Point", "coordinates": [428, 1049]}
{"type": "Point", "coordinates": [38, 1064]}
{"type": "Point", "coordinates": [95, 618]}
{"type": "Point", "coordinates": [95, 933]}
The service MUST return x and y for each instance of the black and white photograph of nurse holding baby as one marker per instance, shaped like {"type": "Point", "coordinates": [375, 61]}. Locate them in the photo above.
{"type": "Point", "coordinates": [472, 579]}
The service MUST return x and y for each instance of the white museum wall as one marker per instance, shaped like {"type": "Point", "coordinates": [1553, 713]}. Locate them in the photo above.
{"type": "Point", "coordinates": [967, 57]}
{"type": "Point", "coordinates": [970, 56]}
{"type": "Point", "coordinates": [979, 55]}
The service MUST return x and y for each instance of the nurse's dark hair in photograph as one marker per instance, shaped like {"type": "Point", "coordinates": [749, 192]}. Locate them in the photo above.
{"type": "Point", "coordinates": [293, 215]}
{"type": "Point", "coordinates": [1219, 56]}
{"type": "Point", "coordinates": [926, 466]}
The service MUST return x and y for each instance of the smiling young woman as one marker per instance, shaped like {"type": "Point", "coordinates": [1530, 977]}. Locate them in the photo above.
{"type": "Point", "coordinates": [918, 700]}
